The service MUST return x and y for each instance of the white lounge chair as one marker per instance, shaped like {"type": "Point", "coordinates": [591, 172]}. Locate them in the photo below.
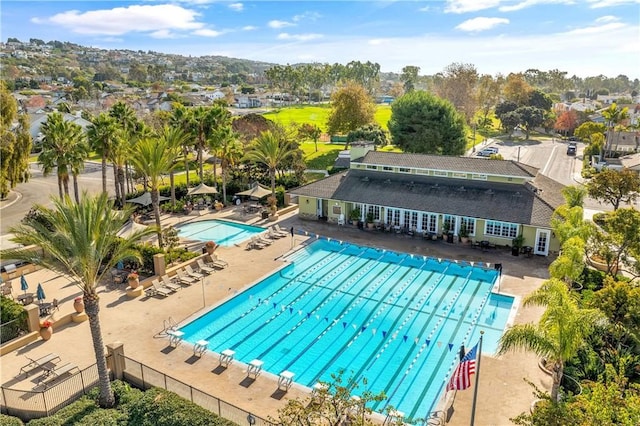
{"type": "Point", "coordinates": [263, 238]}
{"type": "Point", "coordinates": [156, 289]}
{"type": "Point", "coordinates": [254, 242]}
{"type": "Point", "coordinates": [216, 262]}
{"type": "Point", "coordinates": [281, 232]}
{"type": "Point", "coordinates": [34, 364]}
{"type": "Point", "coordinates": [184, 278]}
{"type": "Point", "coordinates": [168, 283]}
{"type": "Point", "coordinates": [277, 228]}
{"type": "Point", "coordinates": [190, 272]}
{"type": "Point", "coordinates": [273, 234]}
{"type": "Point", "coordinates": [204, 268]}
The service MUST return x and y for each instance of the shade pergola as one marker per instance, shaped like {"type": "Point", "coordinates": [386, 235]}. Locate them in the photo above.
{"type": "Point", "coordinates": [256, 191]}
{"type": "Point", "coordinates": [145, 199]}
{"type": "Point", "coordinates": [202, 189]}
{"type": "Point", "coordinates": [130, 228]}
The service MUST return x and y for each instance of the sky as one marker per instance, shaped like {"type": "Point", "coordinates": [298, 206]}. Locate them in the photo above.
{"type": "Point", "coordinates": [581, 37]}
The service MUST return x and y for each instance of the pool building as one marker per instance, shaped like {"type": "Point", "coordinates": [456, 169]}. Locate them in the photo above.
{"type": "Point", "coordinates": [493, 201]}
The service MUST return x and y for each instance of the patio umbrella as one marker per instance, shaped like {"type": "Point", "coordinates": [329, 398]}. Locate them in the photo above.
{"type": "Point", "coordinates": [120, 265]}
{"type": "Point", "coordinates": [145, 199]}
{"type": "Point", "coordinates": [23, 284]}
{"type": "Point", "coordinates": [127, 230]}
{"type": "Point", "coordinates": [202, 189]}
{"type": "Point", "coordinates": [257, 191]}
{"type": "Point", "coordinates": [40, 293]}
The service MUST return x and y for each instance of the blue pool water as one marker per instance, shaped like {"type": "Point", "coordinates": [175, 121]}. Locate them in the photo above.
{"type": "Point", "coordinates": [396, 319]}
{"type": "Point", "coordinates": [222, 232]}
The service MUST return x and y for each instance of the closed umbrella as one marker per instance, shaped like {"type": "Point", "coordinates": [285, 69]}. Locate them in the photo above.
{"type": "Point", "coordinates": [40, 293]}
{"type": "Point", "coordinates": [120, 265]}
{"type": "Point", "coordinates": [23, 284]}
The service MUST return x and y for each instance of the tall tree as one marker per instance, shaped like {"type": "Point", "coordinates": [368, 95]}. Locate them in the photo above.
{"type": "Point", "coordinates": [154, 156]}
{"type": "Point", "coordinates": [82, 243]}
{"type": "Point", "coordinates": [614, 116]}
{"type": "Point", "coordinates": [63, 143]}
{"type": "Point", "coordinates": [15, 143]}
{"type": "Point", "coordinates": [516, 89]}
{"type": "Point", "coordinates": [221, 118]}
{"type": "Point", "coordinates": [615, 187]}
{"type": "Point", "coordinates": [271, 151]}
{"type": "Point", "coordinates": [566, 122]}
{"type": "Point", "coordinates": [559, 333]}
{"type": "Point", "coordinates": [530, 118]}
{"type": "Point", "coordinates": [182, 118]}
{"type": "Point", "coordinates": [102, 134]}
{"type": "Point", "coordinates": [457, 84]}
{"type": "Point", "coordinates": [371, 133]}
{"type": "Point", "coordinates": [487, 96]}
{"type": "Point", "coordinates": [423, 123]}
{"type": "Point", "coordinates": [409, 77]}
{"type": "Point", "coordinates": [310, 131]}
{"type": "Point", "coordinates": [230, 153]}
{"type": "Point", "coordinates": [351, 107]}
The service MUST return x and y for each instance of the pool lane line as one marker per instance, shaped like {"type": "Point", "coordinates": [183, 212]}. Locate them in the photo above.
{"type": "Point", "coordinates": [443, 355]}
{"type": "Point", "coordinates": [381, 304]}
{"type": "Point", "coordinates": [331, 295]}
{"type": "Point", "coordinates": [354, 260]}
{"type": "Point", "coordinates": [385, 303]}
{"type": "Point", "coordinates": [424, 345]}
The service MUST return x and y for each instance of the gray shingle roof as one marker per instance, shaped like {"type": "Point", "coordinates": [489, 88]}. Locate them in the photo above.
{"type": "Point", "coordinates": [444, 162]}
{"type": "Point", "coordinates": [479, 199]}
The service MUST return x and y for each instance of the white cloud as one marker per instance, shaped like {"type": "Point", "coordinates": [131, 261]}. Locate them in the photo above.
{"type": "Point", "coordinates": [310, 16]}
{"type": "Point", "coordinates": [249, 28]}
{"type": "Point", "coordinates": [424, 9]}
{"type": "Point", "coordinates": [299, 37]}
{"type": "Point", "coordinates": [597, 29]}
{"type": "Point", "coordinates": [597, 4]}
{"type": "Point", "coordinates": [481, 24]}
{"type": "Point", "coordinates": [280, 24]}
{"type": "Point", "coordinates": [158, 19]}
{"type": "Point", "coordinates": [238, 7]}
{"type": "Point", "coordinates": [530, 3]}
{"type": "Point", "coordinates": [208, 33]}
{"type": "Point", "coordinates": [378, 41]}
{"type": "Point", "coordinates": [608, 18]}
{"type": "Point", "coordinates": [465, 6]}
{"type": "Point", "coordinates": [163, 34]}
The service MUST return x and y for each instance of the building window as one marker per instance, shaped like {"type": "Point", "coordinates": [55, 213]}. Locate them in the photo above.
{"type": "Point", "coordinates": [501, 229]}
{"type": "Point", "coordinates": [478, 176]}
{"type": "Point", "coordinates": [469, 223]}
{"type": "Point", "coordinates": [429, 223]}
{"type": "Point", "coordinates": [387, 168]}
{"type": "Point", "coordinates": [375, 211]}
{"type": "Point", "coordinates": [393, 217]}
{"type": "Point", "coordinates": [404, 170]}
{"type": "Point", "coordinates": [440, 173]}
{"type": "Point", "coordinates": [370, 167]}
{"type": "Point", "coordinates": [449, 222]}
{"type": "Point", "coordinates": [459, 175]}
{"type": "Point", "coordinates": [410, 219]}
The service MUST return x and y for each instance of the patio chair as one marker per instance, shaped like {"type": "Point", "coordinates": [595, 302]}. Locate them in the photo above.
{"type": "Point", "coordinates": [7, 291]}
{"type": "Point", "coordinates": [216, 262]}
{"type": "Point", "coordinates": [54, 374]}
{"type": "Point", "coordinates": [193, 274]}
{"type": "Point", "coordinates": [204, 268]}
{"type": "Point", "coordinates": [168, 283]}
{"type": "Point", "coordinates": [157, 290]}
{"type": "Point", "coordinates": [183, 278]}
{"type": "Point", "coordinates": [280, 232]}
{"type": "Point", "coordinates": [35, 364]}
{"type": "Point", "coordinates": [254, 243]}
{"type": "Point", "coordinates": [264, 239]}
{"type": "Point", "coordinates": [277, 228]}
{"type": "Point", "coordinates": [54, 305]}
{"type": "Point", "coordinates": [273, 234]}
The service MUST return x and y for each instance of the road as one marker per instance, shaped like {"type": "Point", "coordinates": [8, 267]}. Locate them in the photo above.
{"type": "Point", "coordinates": [550, 156]}
{"type": "Point", "coordinates": [40, 188]}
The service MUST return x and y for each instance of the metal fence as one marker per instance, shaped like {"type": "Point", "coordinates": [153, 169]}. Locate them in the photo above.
{"type": "Point", "coordinates": [145, 377]}
{"type": "Point", "coordinates": [28, 405]}
{"type": "Point", "coordinates": [12, 329]}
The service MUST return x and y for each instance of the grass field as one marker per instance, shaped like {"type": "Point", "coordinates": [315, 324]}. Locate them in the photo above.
{"type": "Point", "coordinates": [318, 115]}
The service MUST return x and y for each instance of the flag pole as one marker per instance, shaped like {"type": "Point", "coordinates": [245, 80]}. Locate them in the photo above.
{"type": "Point", "coordinates": [475, 386]}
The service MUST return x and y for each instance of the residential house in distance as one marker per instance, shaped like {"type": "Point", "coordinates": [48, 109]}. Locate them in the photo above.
{"type": "Point", "coordinates": [496, 201]}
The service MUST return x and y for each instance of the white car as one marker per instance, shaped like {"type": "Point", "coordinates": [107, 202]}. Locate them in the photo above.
{"type": "Point", "coordinates": [487, 152]}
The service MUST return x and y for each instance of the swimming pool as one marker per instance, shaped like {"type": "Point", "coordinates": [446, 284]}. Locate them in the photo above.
{"type": "Point", "coordinates": [223, 232]}
{"type": "Point", "coordinates": [396, 319]}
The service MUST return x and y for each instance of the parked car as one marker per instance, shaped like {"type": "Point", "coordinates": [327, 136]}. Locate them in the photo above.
{"type": "Point", "coordinates": [571, 148]}
{"type": "Point", "coordinates": [487, 152]}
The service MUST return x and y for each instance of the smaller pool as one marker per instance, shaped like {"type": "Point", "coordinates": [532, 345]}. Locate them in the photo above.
{"type": "Point", "coordinates": [222, 232]}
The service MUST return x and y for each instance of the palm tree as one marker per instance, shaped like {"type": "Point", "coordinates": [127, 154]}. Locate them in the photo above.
{"type": "Point", "coordinates": [154, 156]}
{"type": "Point", "coordinates": [182, 118]}
{"type": "Point", "coordinates": [80, 240]}
{"type": "Point", "coordinates": [221, 118]}
{"type": "Point", "coordinates": [63, 144]}
{"type": "Point", "coordinates": [271, 151]}
{"type": "Point", "coordinates": [230, 153]}
{"type": "Point", "coordinates": [102, 135]}
{"type": "Point", "coordinates": [560, 332]}
{"type": "Point", "coordinates": [613, 115]}
{"type": "Point", "coordinates": [120, 152]}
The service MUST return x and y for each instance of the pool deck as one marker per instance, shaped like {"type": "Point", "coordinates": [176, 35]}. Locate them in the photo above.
{"type": "Point", "coordinates": [502, 392]}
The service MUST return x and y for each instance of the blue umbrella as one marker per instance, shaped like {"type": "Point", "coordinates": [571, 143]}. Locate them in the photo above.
{"type": "Point", "coordinates": [23, 284]}
{"type": "Point", "coordinates": [40, 293]}
{"type": "Point", "coordinates": [120, 265]}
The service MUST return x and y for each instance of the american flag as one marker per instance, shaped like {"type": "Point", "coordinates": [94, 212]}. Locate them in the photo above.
{"type": "Point", "coordinates": [461, 378]}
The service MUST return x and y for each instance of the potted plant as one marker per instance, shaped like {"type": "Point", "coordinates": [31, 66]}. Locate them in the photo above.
{"type": "Point", "coordinates": [210, 247]}
{"type": "Point", "coordinates": [464, 234]}
{"type": "Point", "coordinates": [516, 245]}
{"type": "Point", "coordinates": [133, 279]}
{"type": "Point", "coordinates": [354, 215]}
{"type": "Point", "coordinates": [78, 304]}
{"type": "Point", "coordinates": [370, 219]}
{"type": "Point", "coordinates": [46, 330]}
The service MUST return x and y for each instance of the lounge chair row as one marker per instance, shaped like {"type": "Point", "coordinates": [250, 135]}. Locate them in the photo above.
{"type": "Point", "coordinates": [52, 371]}
{"type": "Point", "coordinates": [266, 238]}
{"type": "Point", "coordinates": [166, 285]}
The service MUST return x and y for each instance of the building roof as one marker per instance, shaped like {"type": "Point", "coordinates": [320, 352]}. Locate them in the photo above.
{"type": "Point", "coordinates": [471, 198]}
{"type": "Point", "coordinates": [450, 163]}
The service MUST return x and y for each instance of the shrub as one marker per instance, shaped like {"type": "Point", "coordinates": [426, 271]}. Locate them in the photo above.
{"type": "Point", "coordinates": [159, 407]}
{"type": "Point", "coordinates": [147, 252]}
{"type": "Point", "coordinates": [10, 420]}
{"type": "Point", "coordinates": [10, 311]}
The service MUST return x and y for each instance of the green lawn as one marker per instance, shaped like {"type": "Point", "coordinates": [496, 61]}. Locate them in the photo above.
{"type": "Point", "coordinates": [318, 115]}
